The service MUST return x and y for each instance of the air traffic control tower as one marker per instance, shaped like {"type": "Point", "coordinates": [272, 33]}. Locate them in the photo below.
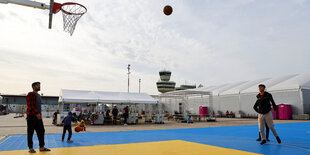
{"type": "Point", "coordinates": [165, 85]}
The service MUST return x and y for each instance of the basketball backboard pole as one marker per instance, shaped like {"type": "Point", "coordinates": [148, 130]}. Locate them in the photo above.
{"type": "Point", "coordinates": [50, 19]}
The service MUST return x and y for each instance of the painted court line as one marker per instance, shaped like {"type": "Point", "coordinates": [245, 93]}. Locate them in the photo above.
{"type": "Point", "coordinates": [297, 147]}
{"type": "Point", "coordinates": [2, 137]}
{"type": "Point", "coordinates": [173, 147]}
{"type": "Point", "coordinates": [5, 139]}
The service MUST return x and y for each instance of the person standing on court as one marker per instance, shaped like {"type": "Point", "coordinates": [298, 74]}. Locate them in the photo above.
{"type": "Point", "coordinates": [263, 108]}
{"type": "Point", "coordinates": [34, 118]}
{"type": "Point", "coordinates": [67, 126]}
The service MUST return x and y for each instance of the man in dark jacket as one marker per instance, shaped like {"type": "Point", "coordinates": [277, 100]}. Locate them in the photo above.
{"type": "Point", "coordinates": [114, 113]}
{"type": "Point", "coordinates": [125, 114]}
{"type": "Point", "coordinates": [263, 108]}
{"type": "Point", "coordinates": [55, 117]}
{"type": "Point", "coordinates": [34, 118]}
{"type": "Point", "coordinates": [67, 126]}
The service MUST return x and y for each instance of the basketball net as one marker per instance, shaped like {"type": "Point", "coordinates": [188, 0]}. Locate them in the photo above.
{"type": "Point", "coordinates": [71, 12]}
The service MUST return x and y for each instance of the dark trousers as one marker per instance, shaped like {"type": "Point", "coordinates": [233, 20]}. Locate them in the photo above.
{"type": "Point", "coordinates": [64, 132]}
{"type": "Point", "coordinates": [125, 120]}
{"type": "Point", "coordinates": [114, 119]}
{"type": "Point", "coordinates": [267, 132]}
{"type": "Point", "coordinates": [33, 123]}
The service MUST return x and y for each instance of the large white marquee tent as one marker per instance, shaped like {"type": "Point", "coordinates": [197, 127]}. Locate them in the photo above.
{"type": "Point", "coordinates": [240, 97]}
{"type": "Point", "coordinates": [103, 97]}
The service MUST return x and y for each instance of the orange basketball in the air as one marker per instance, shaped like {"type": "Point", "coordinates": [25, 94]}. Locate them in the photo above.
{"type": "Point", "coordinates": [78, 129]}
{"type": "Point", "coordinates": [168, 10]}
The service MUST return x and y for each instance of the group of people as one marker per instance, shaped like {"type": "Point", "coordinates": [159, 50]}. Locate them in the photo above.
{"type": "Point", "coordinates": [229, 114]}
{"type": "Point", "coordinates": [34, 117]}
{"type": "Point", "coordinates": [114, 117]}
{"type": "Point", "coordinates": [115, 114]}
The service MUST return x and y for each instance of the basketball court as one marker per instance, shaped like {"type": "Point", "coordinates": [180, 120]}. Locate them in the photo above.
{"type": "Point", "coordinates": [233, 140]}
{"type": "Point", "coordinates": [213, 140]}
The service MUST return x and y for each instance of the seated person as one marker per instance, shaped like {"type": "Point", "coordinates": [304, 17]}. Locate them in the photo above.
{"type": "Point", "coordinates": [189, 120]}
{"type": "Point", "coordinates": [231, 114]}
{"type": "Point", "coordinates": [107, 115]}
{"type": "Point", "coordinates": [227, 113]}
{"type": "Point", "coordinates": [82, 124]}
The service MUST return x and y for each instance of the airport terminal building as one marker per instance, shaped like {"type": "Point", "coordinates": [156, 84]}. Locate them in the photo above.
{"type": "Point", "coordinates": [17, 103]}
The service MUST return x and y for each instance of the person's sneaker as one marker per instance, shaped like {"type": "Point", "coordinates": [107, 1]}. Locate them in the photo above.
{"type": "Point", "coordinates": [44, 149]}
{"type": "Point", "coordinates": [268, 140]}
{"type": "Point", "coordinates": [70, 141]}
{"type": "Point", "coordinates": [62, 140]}
{"type": "Point", "coordinates": [259, 139]}
{"type": "Point", "coordinates": [125, 124]}
{"type": "Point", "coordinates": [32, 151]}
{"type": "Point", "coordinates": [263, 142]}
{"type": "Point", "coordinates": [278, 139]}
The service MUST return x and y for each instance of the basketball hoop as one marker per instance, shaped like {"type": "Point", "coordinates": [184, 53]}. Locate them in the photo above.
{"type": "Point", "coordinates": [71, 13]}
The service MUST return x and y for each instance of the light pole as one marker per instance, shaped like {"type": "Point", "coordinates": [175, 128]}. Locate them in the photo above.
{"type": "Point", "coordinates": [139, 85]}
{"type": "Point", "coordinates": [128, 75]}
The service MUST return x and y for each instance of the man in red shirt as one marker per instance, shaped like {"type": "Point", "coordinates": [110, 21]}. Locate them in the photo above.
{"type": "Point", "coordinates": [34, 118]}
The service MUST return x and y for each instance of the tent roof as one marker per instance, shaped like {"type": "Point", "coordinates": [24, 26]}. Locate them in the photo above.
{"type": "Point", "coordinates": [211, 88]}
{"type": "Point", "coordinates": [185, 92]}
{"type": "Point", "coordinates": [286, 82]}
{"type": "Point", "coordinates": [227, 87]}
{"type": "Point", "coordinates": [243, 86]}
{"type": "Point", "coordinates": [269, 83]}
{"type": "Point", "coordinates": [88, 96]}
{"type": "Point", "coordinates": [300, 81]}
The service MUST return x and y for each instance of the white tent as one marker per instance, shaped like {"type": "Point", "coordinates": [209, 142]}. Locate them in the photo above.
{"type": "Point", "coordinates": [179, 101]}
{"type": "Point", "coordinates": [241, 96]}
{"type": "Point", "coordinates": [301, 81]}
{"type": "Point", "coordinates": [237, 89]}
{"type": "Point", "coordinates": [102, 97]}
{"type": "Point", "coordinates": [227, 87]}
{"type": "Point", "coordinates": [269, 83]}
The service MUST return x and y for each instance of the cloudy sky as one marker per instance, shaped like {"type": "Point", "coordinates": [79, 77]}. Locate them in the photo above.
{"type": "Point", "coordinates": [205, 42]}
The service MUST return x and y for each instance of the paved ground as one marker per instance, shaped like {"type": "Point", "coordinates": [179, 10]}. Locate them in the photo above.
{"type": "Point", "coordinates": [232, 140]}
{"type": "Point", "coordinates": [17, 126]}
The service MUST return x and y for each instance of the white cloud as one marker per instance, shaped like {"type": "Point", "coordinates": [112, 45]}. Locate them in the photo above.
{"type": "Point", "coordinates": [209, 42]}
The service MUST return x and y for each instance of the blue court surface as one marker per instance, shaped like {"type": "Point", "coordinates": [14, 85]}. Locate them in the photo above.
{"type": "Point", "coordinates": [295, 138]}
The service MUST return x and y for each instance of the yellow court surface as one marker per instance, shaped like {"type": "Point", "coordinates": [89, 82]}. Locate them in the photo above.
{"type": "Point", "coordinates": [174, 147]}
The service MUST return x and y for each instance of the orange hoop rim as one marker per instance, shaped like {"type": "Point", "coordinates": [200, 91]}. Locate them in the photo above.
{"type": "Point", "coordinates": [58, 6]}
{"type": "Point", "coordinates": [71, 13]}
